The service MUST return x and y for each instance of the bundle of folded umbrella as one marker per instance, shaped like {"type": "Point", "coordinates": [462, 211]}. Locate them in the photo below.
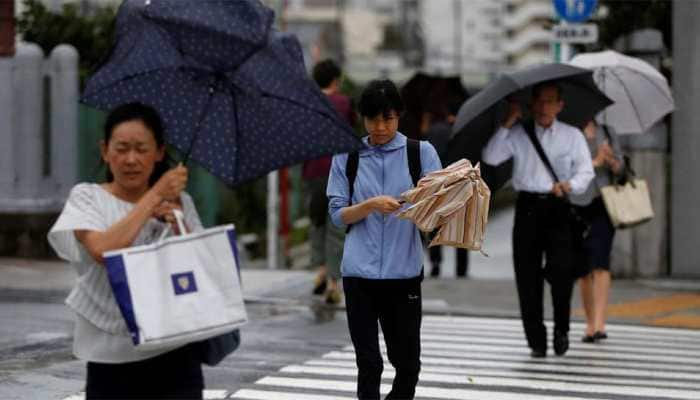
{"type": "Point", "coordinates": [455, 200]}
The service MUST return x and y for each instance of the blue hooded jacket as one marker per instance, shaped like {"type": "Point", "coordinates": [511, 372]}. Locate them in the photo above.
{"type": "Point", "coordinates": [379, 246]}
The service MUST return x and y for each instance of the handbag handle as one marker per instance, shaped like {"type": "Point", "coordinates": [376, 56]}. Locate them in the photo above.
{"type": "Point", "coordinates": [180, 218]}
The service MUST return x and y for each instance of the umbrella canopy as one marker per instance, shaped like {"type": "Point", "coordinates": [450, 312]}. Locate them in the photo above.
{"type": "Point", "coordinates": [428, 93]}
{"type": "Point", "coordinates": [641, 93]}
{"type": "Point", "coordinates": [455, 200]}
{"type": "Point", "coordinates": [232, 93]}
{"type": "Point", "coordinates": [480, 116]}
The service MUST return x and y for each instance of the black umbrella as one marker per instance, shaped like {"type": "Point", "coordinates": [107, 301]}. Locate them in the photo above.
{"type": "Point", "coordinates": [428, 93]}
{"type": "Point", "coordinates": [479, 117]}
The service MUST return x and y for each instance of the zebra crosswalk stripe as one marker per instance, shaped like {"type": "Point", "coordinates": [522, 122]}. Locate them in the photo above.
{"type": "Point", "coordinates": [487, 359]}
{"type": "Point", "coordinates": [524, 364]}
{"type": "Point", "coordinates": [554, 374]}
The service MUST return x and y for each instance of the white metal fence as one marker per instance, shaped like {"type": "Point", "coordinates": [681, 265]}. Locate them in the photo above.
{"type": "Point", "coordinates": [38, 128]}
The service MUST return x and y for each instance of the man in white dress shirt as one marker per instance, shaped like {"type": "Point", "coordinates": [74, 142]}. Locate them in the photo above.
{"type": "Point", "coordinates": [542, 222]}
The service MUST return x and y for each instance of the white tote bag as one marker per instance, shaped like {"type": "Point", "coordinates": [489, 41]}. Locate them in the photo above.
{"type": "Point", "coordinates": [179, 290]}
{"type": "Point", "coordinates": [628, 205]}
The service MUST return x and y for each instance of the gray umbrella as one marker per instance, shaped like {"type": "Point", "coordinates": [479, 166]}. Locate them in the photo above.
{"type": "Point", "coordinates": [642, 96]}
{"type": "Point", "coordinates": [479, 117]}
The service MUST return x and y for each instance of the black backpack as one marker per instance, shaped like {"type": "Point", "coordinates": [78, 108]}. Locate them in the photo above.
{"type": "Point", "coordinates": [414, 167]}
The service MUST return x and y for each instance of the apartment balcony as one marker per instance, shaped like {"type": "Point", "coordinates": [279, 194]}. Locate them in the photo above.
{"type": "Point", "coordinates": [527, 38]}
{"type": "Point", "coordinates": [526, 13]}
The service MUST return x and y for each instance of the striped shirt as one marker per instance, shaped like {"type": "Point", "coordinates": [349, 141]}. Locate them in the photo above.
{"type": "Point", "coordinates": [100, 331]}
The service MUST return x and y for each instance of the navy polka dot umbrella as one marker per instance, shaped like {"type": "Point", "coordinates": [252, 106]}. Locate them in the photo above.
{"type": "Point", "coordinates": [234, 94]}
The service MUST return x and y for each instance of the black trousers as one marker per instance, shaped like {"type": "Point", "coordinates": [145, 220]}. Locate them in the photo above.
{"type": "Point", "coordinates": [542, 230]}
{"type": "Point", "coordinates": [396, 304]}
{"type": "Point", "coordinates": [462, 259]}
{"type": "Point", "coordinates": [176, 374]}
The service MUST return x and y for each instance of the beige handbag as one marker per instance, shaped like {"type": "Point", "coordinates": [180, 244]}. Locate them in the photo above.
{"type": "Point", "coordinates": [628, 205]}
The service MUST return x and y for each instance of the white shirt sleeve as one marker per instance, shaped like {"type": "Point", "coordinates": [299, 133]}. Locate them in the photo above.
{"type": "Point", "coordinates": [582, 165]}
{"type": "Point", "coordinates": [499, 148]}
{"type": "Point", "coordinates": [81, 212]}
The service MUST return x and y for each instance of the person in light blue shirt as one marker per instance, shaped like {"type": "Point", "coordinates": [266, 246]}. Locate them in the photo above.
{"type": "Point", "coordinates": [382, 259]}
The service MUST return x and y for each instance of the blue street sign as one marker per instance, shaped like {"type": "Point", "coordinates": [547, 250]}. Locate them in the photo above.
{"type": "Point", "coordinates": [575, 10]}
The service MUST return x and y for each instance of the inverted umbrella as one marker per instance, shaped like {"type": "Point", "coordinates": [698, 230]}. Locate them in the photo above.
{"type": "Point", "coordinates": [455, 200]}
{"type": "Point", "coordinates": [233, 94]}
{"type": "Point", "coordinates": [640, 92]}
{"type": "Point", "coordinates": [479, 117]}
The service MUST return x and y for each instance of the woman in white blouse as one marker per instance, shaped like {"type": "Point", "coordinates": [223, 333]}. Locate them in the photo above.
{"type": "Point", "coordinates": [132, 208]}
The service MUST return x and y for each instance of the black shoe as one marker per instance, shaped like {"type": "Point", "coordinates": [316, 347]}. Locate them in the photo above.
{"type": "Point", "coordinates": [538, 353]}
{"type": "Point", "coordinates": [561, 343]}
{"type": "Point", "coordinates": [600, 335]}
{"type": "Point", "coordinates": [435, 272]}
{"type": "Point", "coordinates": [320, 286]}
{"type": "Point", "coordinates": [588, 339]}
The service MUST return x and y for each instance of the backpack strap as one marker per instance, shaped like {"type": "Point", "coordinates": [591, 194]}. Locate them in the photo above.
{"type": "Point", "coordinates": [351, 166]}
{"type": "Point", "coordinates": [414, 167]}
{"type": "Point", "coordinates": [414, 164]}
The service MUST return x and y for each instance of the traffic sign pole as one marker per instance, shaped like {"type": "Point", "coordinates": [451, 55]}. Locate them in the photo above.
{"type": "Point", "coordinates": [565, 49]}
{"type": "Point", "coordinates": [570, 12]}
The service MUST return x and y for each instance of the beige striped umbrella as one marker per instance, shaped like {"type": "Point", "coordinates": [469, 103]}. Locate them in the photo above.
{"type": "Point", "coordinates": [455, 200]}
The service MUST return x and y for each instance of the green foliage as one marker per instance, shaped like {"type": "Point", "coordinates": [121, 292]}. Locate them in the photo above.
{"type": "Point", "coordinates": [92, 35]}
{"type": "Point", "coordinates": [246, 207]}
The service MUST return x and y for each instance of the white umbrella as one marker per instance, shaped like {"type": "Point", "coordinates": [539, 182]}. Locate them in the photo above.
{"type": "Point", "coordinates": [641, 93]}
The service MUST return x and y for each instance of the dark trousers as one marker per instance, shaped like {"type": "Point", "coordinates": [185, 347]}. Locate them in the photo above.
{"type": "Point", "coordinates": [174, 375]}
{"type": "Point", "coordinates": [542, 230]}
{"type": "Point", "coordinates": [436, 260]}
{"type": "Point", "coordinates": [396, 304]}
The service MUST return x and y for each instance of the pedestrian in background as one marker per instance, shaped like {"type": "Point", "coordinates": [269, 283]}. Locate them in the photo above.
{"type": "Point", "coordinates": [383, 255]}
{"type": "Point", "coordinates": [326, 239]}
{"type": "Point", "coordinates": [594, 281]}
{"type": "Point", "coordinates": [132, 208]}
{"type": "Point", "coordinates": [437, 129]}
{"type": "Point", "coordinates": [542, 218]}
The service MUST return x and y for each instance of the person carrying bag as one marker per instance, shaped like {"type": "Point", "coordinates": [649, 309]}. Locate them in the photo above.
{"type": "Point", "coordinates": [542, 229]}
{"type": "Point", "coordinates": [130, 210]}
{"type": "Point", "coordinates": [179, 290]}
{"type": "Point", "coordinates": [580, 226]}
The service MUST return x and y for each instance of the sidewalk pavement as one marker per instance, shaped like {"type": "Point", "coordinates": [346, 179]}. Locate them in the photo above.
{"type": "Point", "coordinates": [53, 279]}
{"type": "Point", "coordinates": [661, 302]}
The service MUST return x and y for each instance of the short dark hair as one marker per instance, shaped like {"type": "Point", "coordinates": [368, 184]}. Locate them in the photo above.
{"type": "Point", "coordinates": [325, 72]}
{"type": "Point", "coordinates": [150, 117]}
{"type": "Point", "coordinates": [537, 89]}
{"type": "Point", "coordinates": [380, 97]}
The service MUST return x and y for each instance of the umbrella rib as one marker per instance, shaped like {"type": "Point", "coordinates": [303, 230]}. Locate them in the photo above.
{"type": "Point", "coordinates": [629, 95]}
{"type": "Point", "coordinates": [236, 161]}
{"type": "Point", "coordinates": [323, 112]}
{"type": "Point", "coordinates": [198, 127]}
{"type": "Point", "coordinates": [652, 81]}
{"type": "Point", "coordinates": [126, 79]}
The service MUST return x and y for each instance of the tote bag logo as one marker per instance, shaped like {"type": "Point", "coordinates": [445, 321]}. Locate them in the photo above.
{"type": "Point", "coordinates": [184, 283]}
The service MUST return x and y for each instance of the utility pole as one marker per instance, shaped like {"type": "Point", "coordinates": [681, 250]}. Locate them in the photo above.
{"type": "Point", "coordinates": [685, 214]}
{"type": "Point", "coordinates": [457, 33]}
